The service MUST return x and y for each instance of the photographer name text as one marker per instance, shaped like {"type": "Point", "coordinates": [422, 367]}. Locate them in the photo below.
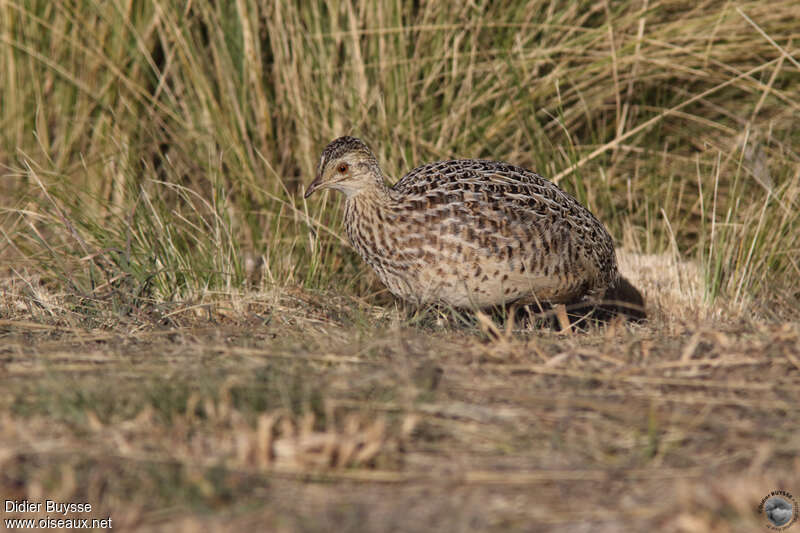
{"type": "Point", "coordinates": [56, 515]}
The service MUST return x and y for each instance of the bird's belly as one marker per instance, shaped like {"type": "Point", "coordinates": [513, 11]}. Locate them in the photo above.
{"type": "Point", "coordinates": [479, 267]}
{"type": "Point", "coordinates": [466, 285]}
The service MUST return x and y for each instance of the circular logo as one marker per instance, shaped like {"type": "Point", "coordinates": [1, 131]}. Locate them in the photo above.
{"type": "Point", "coordinates": [780, 509]}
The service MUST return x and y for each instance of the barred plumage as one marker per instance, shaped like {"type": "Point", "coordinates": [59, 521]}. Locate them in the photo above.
{"type": "Point", "coordinates": [471, 233]}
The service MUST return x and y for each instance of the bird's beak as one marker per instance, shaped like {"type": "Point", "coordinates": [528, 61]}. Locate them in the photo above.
{"type": "Point", "coordinates": [313, 186]}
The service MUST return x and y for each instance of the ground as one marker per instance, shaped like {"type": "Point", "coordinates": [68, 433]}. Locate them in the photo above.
{"type": "Point", "coordinates": [293, 411]}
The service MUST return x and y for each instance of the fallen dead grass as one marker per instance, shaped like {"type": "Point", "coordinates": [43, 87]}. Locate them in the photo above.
{"type": "Point", "coordinates": [294, 411]}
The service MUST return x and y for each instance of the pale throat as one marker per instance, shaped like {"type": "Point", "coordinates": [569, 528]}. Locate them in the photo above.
{"type": "Point", "coordinates": [368, 187]}
{"type": "Point", "coordinates": [350, 190]}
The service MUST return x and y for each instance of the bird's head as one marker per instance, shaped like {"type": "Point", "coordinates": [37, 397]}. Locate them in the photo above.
{"type": "Point", "coordinates": [347, 165]}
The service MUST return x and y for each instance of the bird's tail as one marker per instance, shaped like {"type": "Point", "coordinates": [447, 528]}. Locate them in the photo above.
{"type": "Point", "coordinates": [625, 299]}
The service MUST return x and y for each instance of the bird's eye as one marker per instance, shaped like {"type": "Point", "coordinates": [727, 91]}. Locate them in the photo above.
{"type": "Point", "coordinates": [342, 168]}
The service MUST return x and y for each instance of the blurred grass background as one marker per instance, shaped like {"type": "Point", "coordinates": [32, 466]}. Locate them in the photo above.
{"type": "Point", "coordinates": [154, 149]}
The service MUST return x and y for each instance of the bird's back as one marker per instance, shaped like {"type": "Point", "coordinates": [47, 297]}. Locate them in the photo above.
{"type": "Point", "coordinates": [480, 233]}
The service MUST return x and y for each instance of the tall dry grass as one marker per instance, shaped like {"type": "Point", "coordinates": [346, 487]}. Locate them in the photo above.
{"type": "Point", "coordinates": [147, 147]}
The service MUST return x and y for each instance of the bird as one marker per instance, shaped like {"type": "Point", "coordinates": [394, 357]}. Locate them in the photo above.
{"type": "Point", "coordinates": [474, 233]}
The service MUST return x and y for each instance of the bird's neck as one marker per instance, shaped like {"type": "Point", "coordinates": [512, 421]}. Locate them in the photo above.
{"type": "Point", "coordinates": [367, 217]}
{"type": "Point", "coordinates": [372, 188]}
{"type": "Point", "coordinates": [368, 203]}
